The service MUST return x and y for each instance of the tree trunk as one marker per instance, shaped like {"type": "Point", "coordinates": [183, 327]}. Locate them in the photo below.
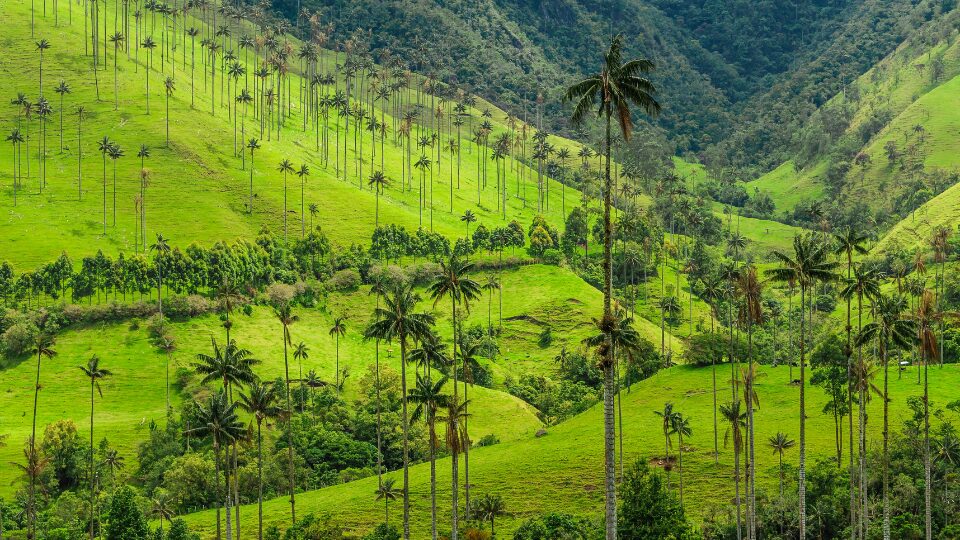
{"type": "Point", "coordinates": [406, 444]}
{"type": "Point", "coordinates": [802, 476]}
{"type": "Point", "coordinates": [609, 437]}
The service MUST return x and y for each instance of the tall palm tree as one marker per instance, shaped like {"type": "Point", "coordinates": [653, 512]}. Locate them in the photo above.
{"type": "Point", "coordinates": [284, 314]}
{"type": "Point", "coordinates": [115, 153]}
{"type": "Point", "coordinates": [397, 320]}
{"type": "Point", "coordinates": [302, 173]}
{"type": "Point", "coordinates": [104, 147]}
{"type": "Point", "coordinates": [62, 90]}
{"type": "Point", "coordinates": [680, 426]}
{"type": "Point", "coordinates": [314, 211]}
{"type": "Point", "coordinates": [95, 373]}
{"type": "Point", "coordinates": [117, 40]}
{"type": "Point", "coordinates": [301, 353]}
{"type": "Point", "coordinates": [218, 419]}
{"type": "Point", "coordinates": [386, 492]}
{"type": "Point", "coordinates": [848, 243]}
{"type": "Point", "coordinates": [285, 167]}
{"type": "Point", "coordinates": [864, 283]}
{"type": "Point", "coordinates": [808, 266]}
{"type": "Point", "coordinates": [261, 402]}
{"type": "Point", "coordinates": [81, 113]}
{"type": "Point", "coordinates": [780, 443]}
{"type": "Point", "coordinates": [42, 45]}
{"type": "Point", "coordinates": [712, 291]}
{"type": "Point", "coordinates": [143, 153]}
{"type": "Point", "coordinates": [378, 182]}
{"type": "Point", "coordinates": [889, 330]}
{"type": "Point", "coordinates": [737, 420]}
{"type": "Point", "coordinates": [43, 347]}
{"type": "Point", "coordinates": [338, 330]}
{"type": "Point", "coordinates": [429, 399]}
{"type": "Point", "coordinates": [149, 45]}
{"type": "Point", "coordinates": [926, 316]}
{"type": "Point", "coordinates": [492, 283]}
{"type": "Point", "coordinates": [162, 249]}
{"type": "Point", "coordinates": [750, 290]}
{"type": "Point", "coordinates": [252, 144]}
{"type": "Point", "coordinates": [452, 282]}
{"type": "Point", "coordinates": [468, 217]}
{"type": "Point", "coordinates": [169, 86]}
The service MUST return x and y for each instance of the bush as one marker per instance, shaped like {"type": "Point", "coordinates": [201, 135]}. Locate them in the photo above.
{"type": "Point", "coordinates": [488, 440]}
{"type": "Point", "coordinates": [347, 279]}
{"type": "Point", "coordinates": [384, 532]}
{"type": "Point", "coordinates": [553, 256]}
{"type": "Point", "coordinates": [18, 338]}
{"type": "Point", "coordinates": [280, 293]}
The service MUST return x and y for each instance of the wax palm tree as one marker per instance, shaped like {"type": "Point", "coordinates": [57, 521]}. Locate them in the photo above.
{"type": "Point", "coordinates": [616, 87]}
{"type": "Point", "coordinates": [397, 320]}
{"type": "Point", "coordinates": [261, 402]}
{"type": "Point", "coordinates": [889, 330]}
{"type": "Point", "coordinates": [808, 266]}
{"type": "Point", "coordinates": [314, 211]}
{"type": "Point", "coordinates": [104, 147]}
{"type": "Point", "coordinates": [95, 373]}
{"type": "Point", "coordinates": [467, 218]}
{"type": "Point", "coordinates": [229, 365]}
{"type": "Point", "coordinates": [490, 507]}
{"type": "Point", "coordinates": [115, 153]}
{"type": "Point", "coordinates": [452, 282]}
{"type": "Point", "coordinates": [680, 426]}
{"type": "Point", "coordinates": [422, 165]}
{"type": "Point", "coordinates": [712, 291]}
{"type": "Point", "coordinates": [169, 86]}
{"type": "Point", "coordinates": [117, 39]}
{"type": "Point", "coordinates": [301, 353]}
{"type": "Point", "coordinates": [62, 90]}
{"type": "Point", "coordinates": [162, 508]}
{"type": "Point", "coordinates": [285, 167]}
{"type": "Point", "coordinates": [149, 45]}
{"type": "Point", "coordinates": [846, 244]}
{"type": "Point", "coordinates": [429, 399]}
{"type": "Point", "coordinates": [666, 421]}
{"type": "Point", "coordinates": [378, 182]}
{"type": "Point", "coordinates": [302, 173]}
{"type": "Point", "coordinates": [81, 113]}
{"type": "Point", "coordinates": [780, 443]}
{"type": "Point", "coordinates": [252, 144]}
{"type": "Point", "coordinates": [926, 316]}
{"type": "Point", "coordinates": [492, 283]}
{"type": "Point", "coordinates": [737, 421]}
{"type": "Point", "coordinates": [143, 153]}
{"type": "Point", "coordinates": [218, 419]}
{"type": "Point", "coordinates": [286, 317]}
{"type": "Point", "coordinates": [162, 249]}
{"type": "Point", "coordinates": [750, 291]}
{"type": "Point", "coordinates": [43, 343]}
{"type": "Point", "coordinates": [15, 138]}
{"type": "Point", "coordinates": [42, 45]}
{"type": "Point", "coordinates": [386, 493]}
{"type": "Point", "coordinates": [338, 330]}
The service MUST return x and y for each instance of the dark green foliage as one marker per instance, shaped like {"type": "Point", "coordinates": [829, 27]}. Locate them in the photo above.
{"type": "Point", "coordinates": [125, 520]}
{"type": "Point", "coordinates": [556, 525]}
{"type": "Point", "coordinates": [383, 532]}
{"type": "Point", "coordinates": [312, 527]}
{"type": "Point", "coordinates": [178, 531]}
{"type": "Point", "coordinates": [647, 509]}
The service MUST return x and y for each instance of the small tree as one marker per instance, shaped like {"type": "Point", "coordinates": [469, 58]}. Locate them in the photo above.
{"type": "Point", "coordinates": [647, 509]}
{"type": "Point", "coordinates": [126, 521]}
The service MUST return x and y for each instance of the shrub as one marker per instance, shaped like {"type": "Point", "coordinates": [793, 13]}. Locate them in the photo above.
{"type": "Point", "coordinates": [347, 279]}
{"type": "Point", "coordinates": [280, 293]}
{"type": "Point", "coordinates": [126, 519]}
{"type": "Point", "coordinates": [384, 532]}
{"type": "Point", "coordinates": [553, 256]}
{"type": "Point", "coordinates": [18, 338]}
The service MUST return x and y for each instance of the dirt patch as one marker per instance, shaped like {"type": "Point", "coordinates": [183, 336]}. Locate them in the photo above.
{"type": "Point", "coordinates": [528, 318]}
{"type": "Point", "coordinates": [589, 488]}
{"type": "Point", "coordinates": [575, 301]}
{"type": "Point", "coordinates": [662, 462]}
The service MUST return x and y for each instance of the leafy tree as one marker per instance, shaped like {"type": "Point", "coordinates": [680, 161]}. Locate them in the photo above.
{"type": "Point", "coordinates": [125, 520]}
{"type": "Point", "coordinates": [648, 509]}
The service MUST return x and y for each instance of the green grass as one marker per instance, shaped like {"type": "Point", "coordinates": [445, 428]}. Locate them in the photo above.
{"type": "Point", "coordinates": [563, 470]}
{"type": "Point", "coordinates": [787, 187]}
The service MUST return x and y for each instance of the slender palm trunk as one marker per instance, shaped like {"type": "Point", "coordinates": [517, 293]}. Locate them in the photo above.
{"type": "Point", "coordinates": [406, 444]}
{"type": "Point", "coordinates": [886, 440]}
{"type": "Point", "coordinates": [286, 369]}
{"type": "Point", "coordinates": [610, 507]}
{"type": "Point", "coordinates": [92, 472]}
{"type": "Point", "coordinates": [802, 476]}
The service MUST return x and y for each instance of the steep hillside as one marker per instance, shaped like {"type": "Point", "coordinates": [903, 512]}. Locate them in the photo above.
{"type": "Point", "coordinates": [566, 468]}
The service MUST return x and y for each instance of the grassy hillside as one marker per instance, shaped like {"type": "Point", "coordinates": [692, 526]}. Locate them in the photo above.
{"type": "Point", "coordinates": [566, 465]}
{"type": "Point", "coordinates": [198, 189]}
{"type": "Point", "coordinates": [533, 297]}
